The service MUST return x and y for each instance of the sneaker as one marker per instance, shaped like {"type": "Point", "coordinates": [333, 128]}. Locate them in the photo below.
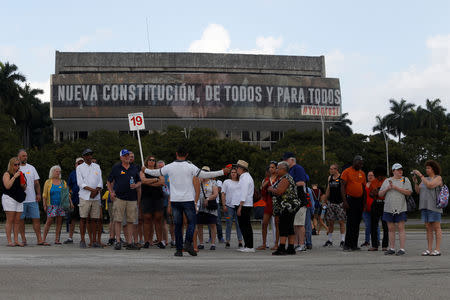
{"type": "Point", "coordinates": [190, 249]}
{"type": "Point", "coordinates": [290, 251]}
{"type": "Point", "coordinates": [118, 246]}
{"type": "Point", "coordinates": [301, 248]}
{"type": "Point", "coordinates": [178, 253]}
{"type": "Point", "coordinates": [365, 244]}
{"type": "Point", "coordinates": [279, 252]}
{"type": "Point", "coordinates": [161, 245]}
{"type": "Point", "coordinates": [227, 245]}
{"type": "Point", "coordinates": [172, 244]}
{"type": "Point", "coordinates": [201, 247]}
{"type": "Point", "coordinates": [213, 247]}
{"type": "Point", "coordinates": [309, 246]}
{"type": "Point", "coordinates": [390, 252]}
{"type": "Point", "coordinates": [400, 252]}
{"type": "Point", "coordinates": [328, 244]}
{"type": "Point", "coordinates": [146, 245]}
{"type": "Point", "coordinates": [249, 250]}
{"type": "Point", "coordinates": [342, 244]}
{"type": "Point", "coordinates": [68, 241]}
{"type": "Point", "coordinates": [132, 246]}
{"type": "Point", "coordinates": [83, 245]}
{"type": "Point", "coordinates": [111, 242]}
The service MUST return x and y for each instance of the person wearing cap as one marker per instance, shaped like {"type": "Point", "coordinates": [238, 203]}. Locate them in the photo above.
{"type": "Point", "coordinates": [395, 190]}
{"type": "Point", "coordinates": [244, 210]}
{"type": "Point", "coordinates": [123, 182]}
{"type": "Point", "coordinates": [182, 194]}
{"type": "Point", "coordinates": [90, 182]}
{"type": "Point", "coordinates": [354, 200]}
{"type": "Point", "coordinates": [74, 189]}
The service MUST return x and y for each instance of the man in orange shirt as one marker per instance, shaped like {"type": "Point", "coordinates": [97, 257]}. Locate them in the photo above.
{"type": "Point", "coordinates": [377, 210]}
{"type": "Point", "coordinates": [354, 181]}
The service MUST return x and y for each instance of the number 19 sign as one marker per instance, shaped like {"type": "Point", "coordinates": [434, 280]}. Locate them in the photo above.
{"type": "Point", "coordinates": [136, 121]}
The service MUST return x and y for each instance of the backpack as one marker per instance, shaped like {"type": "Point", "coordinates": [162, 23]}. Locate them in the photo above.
{"type": "Point", "coordinates": [442, 197]}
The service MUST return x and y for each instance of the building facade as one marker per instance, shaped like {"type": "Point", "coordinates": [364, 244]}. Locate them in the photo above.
{"type": "Point", "coordinates": [251, 98]}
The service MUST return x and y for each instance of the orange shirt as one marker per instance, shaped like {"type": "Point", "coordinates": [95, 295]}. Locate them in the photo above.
{"type": "Point", "coordinates": [355, 182]}
{"type": "Point", "coordinates": [376, 184]}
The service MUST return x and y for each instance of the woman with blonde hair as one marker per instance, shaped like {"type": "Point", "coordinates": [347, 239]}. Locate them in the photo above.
{"type": "Point", "coordinates": [55, 193]}
{"type": "Point", "coordinates": [14, 186]}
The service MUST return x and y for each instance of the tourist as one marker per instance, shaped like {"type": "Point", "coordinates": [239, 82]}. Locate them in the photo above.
{"type": "Point", "coordinates": [123, 182]}
{"type": "Point", "coordinates": [244, 209]}
{"type": "Point", "coordinates": [376, 212]}
{"type": "Point", "coordinates": [152, 204]}
{"type": "Point", "coordinates": [167, 218]}
{"type": "Point", "coordinates": [318, 221]}
{"type": "Point", "coordinates": [230, 199]}
{"type": "Point", "coordinates": [285, 206]}
{"type": "Point", "coordinates": [394, 190]}
{"type": "Point", "coordinates": [366, 212]}
{"type": "Point", "coordinates": [14, 186]}
{"type": "Point", "coordinates": [268, 209]}
{"type": "Point", "coordinates": [354, 181]}
{"type": "Point", "coordinates": [182, 194]}
{"type": "Point", "coordinates": [74, 193]}
{"type": "Point", "coordinates": [33, 197]}
{"type": "Point", "coordinates": [55, 193]}
{"type": "Point", "coordinates": [428, 190]}
{"type": "Point", "coordinates": [207, 209]}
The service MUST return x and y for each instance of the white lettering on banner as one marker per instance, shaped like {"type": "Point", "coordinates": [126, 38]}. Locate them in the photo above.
{"type": "Point", "coordinates": [258, 91]}
{"type": "Point", "coordinates": [269, 93]}
{"type": "Point", "coordinates": [326, 111]}
{"type": "Point", "coordinates": [106, 89]}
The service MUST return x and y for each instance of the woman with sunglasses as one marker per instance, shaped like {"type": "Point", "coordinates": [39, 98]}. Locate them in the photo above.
{"type": "Point", "coordinates": [14, 186]}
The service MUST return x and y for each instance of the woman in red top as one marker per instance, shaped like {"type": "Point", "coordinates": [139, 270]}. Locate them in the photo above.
{"type": "Point", "coordinates": [268, 209]}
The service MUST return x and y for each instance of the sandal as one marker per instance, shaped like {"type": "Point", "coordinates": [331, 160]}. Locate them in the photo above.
{"type": "Point", "coordinates": [43, 244]}
{"type": "Point", "coordinates": [262, 247]}
{"type": "Point", "coordinates": [57, 243]}
{"type": "Point", "coordinates": [426, 253]}
{"type": "Point", "coordinates": [274, 248]}
{"type": "Point", "coordinates": [435, 253]}
{"type": "Point", "coordinates": [10, 245]}
{"type": "Point", "coordinates": [19, 245]}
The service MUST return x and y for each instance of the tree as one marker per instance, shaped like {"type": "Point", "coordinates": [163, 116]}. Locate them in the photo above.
{"type": "Point", "coordinates": [29, 115]}
{"type": "Point", "coordinates": [342, 125]}
{"type": "Point", "coordinates": [381, 125]}
{"type": "Point", "coordinates": [9, 88]}
{"type": "Point", "coordinates": [398, 119]}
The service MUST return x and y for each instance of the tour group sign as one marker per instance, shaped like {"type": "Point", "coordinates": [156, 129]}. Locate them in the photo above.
{"type": "Point", "coordinates": [311, 100]}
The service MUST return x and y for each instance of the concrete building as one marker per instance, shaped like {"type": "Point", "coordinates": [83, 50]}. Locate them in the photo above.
{"type": "Point", "coordinates": [252, 98]}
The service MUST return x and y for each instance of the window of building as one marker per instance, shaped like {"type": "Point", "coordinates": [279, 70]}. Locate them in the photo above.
{"type": "Point", "coordinates": [246, 136]}
{"type": "Point", "coordinates": [82, 134]}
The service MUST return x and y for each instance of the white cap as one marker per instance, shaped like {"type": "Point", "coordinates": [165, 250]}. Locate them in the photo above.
{"type": "Point", "coordinates": [396, 166]}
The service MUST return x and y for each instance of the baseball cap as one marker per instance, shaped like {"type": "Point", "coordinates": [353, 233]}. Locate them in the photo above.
{"type": "Point", "coordinates": [396, 166]}
{"type": "Point", "coordinates": [124, 152]}
{"type": "Point", "coordinates": [358, 157]}
{"type": "Point", "coordinates": [87, 152]}
{"type": "Point", "coordinates": [79, 159]}
{"type": "Point", "coordinates": [287, 155]}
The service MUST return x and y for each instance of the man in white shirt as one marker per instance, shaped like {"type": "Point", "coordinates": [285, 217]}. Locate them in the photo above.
{"type": "Point", "coordinates": [33, 196]}
{"type": "Point", "coordinates": [89, 179]}
{"type": "Point", "coordinates": [244, 210]}
{"type": "Point", "coordinates": [181, 173]}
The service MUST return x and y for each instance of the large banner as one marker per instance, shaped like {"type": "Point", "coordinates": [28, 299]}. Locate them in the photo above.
{"type": "Point", "coordinates": [198, 95]}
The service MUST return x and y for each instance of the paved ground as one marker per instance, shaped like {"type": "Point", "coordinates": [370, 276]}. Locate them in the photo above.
{"type": "Point", "coordinates": [68, 272]}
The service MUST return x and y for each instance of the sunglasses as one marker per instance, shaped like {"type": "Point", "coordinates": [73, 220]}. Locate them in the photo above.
{"type": "Point", "coordinates": [152, 159]}
{"type": "Point", "coordinates": [17, 164]}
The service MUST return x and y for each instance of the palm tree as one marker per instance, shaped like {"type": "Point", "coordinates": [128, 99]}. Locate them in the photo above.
{"type": "Point", "coordinates": [381, 124]}
{"type": "Point", "coordinates": [342, 125]}
{"type": "Point", "coordinates": [9, 88]}
{"type": "Point", "coordinates": [434, 114]}
{"type": "Point", "coordinates": [399, 118]}
{"type": "Point", "coordinates": [29, 113]}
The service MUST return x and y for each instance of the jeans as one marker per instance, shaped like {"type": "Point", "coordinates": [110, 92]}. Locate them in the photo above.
{"type": "Point", "coordinates": [376, 214]}
{"type": "Point", "coordinates": [354, 216]}
{"type": "Point", "coordinates": [188, 208]}
{"type": "Point", "coordinates": [308, 226]}
{"type": "Point", "coordinates": [230, 217]}
{"type": "Point", "coordinates": [219, 224]}
{"type": "Point", "coordinates": [246, 225]}
{"type": "Point", "coordinates": [366, 219]}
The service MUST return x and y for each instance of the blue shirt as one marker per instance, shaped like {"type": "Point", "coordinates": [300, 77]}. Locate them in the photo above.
{"type": "Point", "coordinates": [73, 185]}
{"type": "Point", "coordinates": [298, 173]}
{"type": "Point", "coordinates": [55, 194]}
{"type": "Point", "coordinates": [121, 178]}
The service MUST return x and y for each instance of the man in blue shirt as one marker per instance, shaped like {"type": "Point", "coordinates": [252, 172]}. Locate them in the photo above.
{"type": "Point", "coordinates": [74, 189]}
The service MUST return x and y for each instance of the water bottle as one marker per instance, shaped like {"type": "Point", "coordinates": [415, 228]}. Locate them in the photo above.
{"type": "Point", "coordinates": [131, 180]}
{"type": "Point", "coordinates": [324, 209]}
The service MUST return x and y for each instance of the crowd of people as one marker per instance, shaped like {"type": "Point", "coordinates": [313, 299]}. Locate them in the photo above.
{"type": "Point", "coordinates": [158, 200]}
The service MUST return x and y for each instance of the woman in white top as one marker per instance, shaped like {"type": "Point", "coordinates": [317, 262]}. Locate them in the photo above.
{"type": "Point", "coordinates": [230, 198]}
{"type": "Point", "coordinates": [395, 190]}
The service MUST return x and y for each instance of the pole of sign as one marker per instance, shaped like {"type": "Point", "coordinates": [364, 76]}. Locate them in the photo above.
{"type": "Point", "coordinates": [140, 146]}
{"type": "Point", "coordinates": [386, 141]}
{"type": "Point", "coordinates": [323, 135]}
{"type": "Point", "coordinates": [136, 121]}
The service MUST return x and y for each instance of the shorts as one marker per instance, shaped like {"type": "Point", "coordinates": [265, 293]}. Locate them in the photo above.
{"type": "Point", "coordinates": [335, 212]}
{"type": "Point", "coordinates": [151, 205]}
{"type": "Point", "coordinates": [300, 217]}
{"type": "Point", "coordinates": [394, 218]}
{"type": "Point", "coordinates": [205, 218]}
{"type": "Point", "coordinates": [89, 208]}
{"type": "Point", "coordinates": [111, 212]}
{"type": "Point", "coordinates": [9, 204]}
{"type": "Point", "coordinates": [75, 214]}
{"type": "Point", "coordinates": [55, 211]}
{"type": "Point", "coordinates": [125, 210]}
{"type": "Point", "coordinates": [30, 210]}
{"type": "Point", "coordinates": [429, 216]}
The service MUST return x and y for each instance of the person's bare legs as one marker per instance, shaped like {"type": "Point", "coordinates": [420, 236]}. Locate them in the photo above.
{"type": "Point", "coordinates": [22, 231]}
{"type": "Point", "coordinates": [82, 229]}
{"type": "Point", "coordinates": [130, 229]}
{"type": "Point", "coordinates": [117, 229]}
{"type": "Point", "coordinates": [265, 225]}
{"type": "Point", "coordinates": [37, 229]}
{"type": "Point", "coordinates": [391, 227]}
{"type": "Point", "coordinates": [302, 232]}
{"type": "Point", "coordinates": [147, 225]}
{"type": "Point", "coordinates": [99, 230]}
{"type": "Point", "coordinates": [140, 230]}
{"type": "Point", "coordinates": [402, 234]}
{"type": "Point", "coordinates": [213, 233]}
{"type": "Point", "coordinates": [165, 232]}
{"type": "Point", "coordinates": [59, 221]}
{"type": "Point", "coordinates": [429, 227]}
{"type": "Point", "coordinates": [200, 234]}
{"type": "Point", "coordinates": [157, 220]}
{"type": "Point", "coordinates": [48, 223]}
{"type": "Point", "coordinates": [17, 228]}
{"type": "Point", "coordinates": [438, 231]}
{"type": "Point", "coordinates": [277, 233]}
{"type": "Point", "coordinates": [10, 215]}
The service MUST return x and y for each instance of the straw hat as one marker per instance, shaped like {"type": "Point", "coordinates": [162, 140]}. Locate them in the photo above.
{"type": "Point", "coordinates": [242, 164]}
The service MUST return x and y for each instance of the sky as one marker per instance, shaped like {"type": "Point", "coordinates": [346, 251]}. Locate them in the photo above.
{"type": "Point", "coordinates": [379, 50]}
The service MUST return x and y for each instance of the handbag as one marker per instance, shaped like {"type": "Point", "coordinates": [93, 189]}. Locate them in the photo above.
{"type": "Point", "coordinates": [65, 202]}
{"type": "Point", "coordinates": [212, 204]}
{"type": "Point", "coordinates": [410, 202]}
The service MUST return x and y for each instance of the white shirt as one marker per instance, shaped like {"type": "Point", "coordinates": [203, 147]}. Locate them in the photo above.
{"type": "Point", "coordinates": [219, 186]}
{"type": "Point", "coordinates": [246, 186]}
{"type": "Point", "coordinates": [232, 192]}
{"type": "Point", "coordinates": [90, 176]}
{"type": "Point", "coordinates": [394, 201]}
{"type": "Point", "coordinates": [30, 175]}
{"type": "Point", "coordinates": [181, 174]}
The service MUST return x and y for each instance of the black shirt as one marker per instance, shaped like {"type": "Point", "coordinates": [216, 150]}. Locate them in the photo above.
{"type": "Point", "coordinates": [15, 191]}
{"type": "Point", "coordinates": [121, 178]}
{"type": "Point", "coordinates": [151, 192]}
{"type": "Point", "coordinates": [335, 190]}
